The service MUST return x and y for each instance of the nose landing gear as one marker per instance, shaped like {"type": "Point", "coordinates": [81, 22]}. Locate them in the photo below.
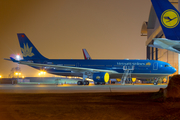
{"type": "Point", "coordinates": [156, 81]}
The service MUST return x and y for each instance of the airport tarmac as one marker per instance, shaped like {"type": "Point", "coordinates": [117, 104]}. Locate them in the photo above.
{"type": "Point", "coordinates": [66, 88]}
{"type": "Point", "coordinates": [93, 102]}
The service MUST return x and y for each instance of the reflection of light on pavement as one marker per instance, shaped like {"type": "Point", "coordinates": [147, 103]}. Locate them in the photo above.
{"type": "Point", "coordinates": [73, 85]}
{"type": "Point", "coordinates": [42, 86]}
{"type": "Point", "coordinates": [18, 85]}
{"type": "Point", "coordinates": [92, 85]}
{"type": "Point", "coordinates": [65, 85]}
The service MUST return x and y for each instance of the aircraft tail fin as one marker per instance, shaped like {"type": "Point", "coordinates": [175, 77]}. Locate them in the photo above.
{"type": "Point", "coordinates": [86, 54]}
{"type": "Point", "coordinates": [28, 50]}
{"type": "Point", "coordinates": [168, 17]}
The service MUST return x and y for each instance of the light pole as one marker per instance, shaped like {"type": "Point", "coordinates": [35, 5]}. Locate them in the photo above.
{"type": "Point", "coordinates": [17, 75]}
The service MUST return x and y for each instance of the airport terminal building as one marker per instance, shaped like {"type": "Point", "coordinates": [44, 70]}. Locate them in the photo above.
{"type": "Point", "coordinates": [152, 29]}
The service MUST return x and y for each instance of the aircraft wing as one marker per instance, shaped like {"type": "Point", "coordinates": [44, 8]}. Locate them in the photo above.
{"type": "Point", "coordinates": [66, 68]}
{"type": "Point", "coordinates": [164, 43]}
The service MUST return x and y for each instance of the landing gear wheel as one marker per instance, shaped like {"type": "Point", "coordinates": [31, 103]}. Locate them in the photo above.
{"type": "Point", "coordinates": [86, 82]}
{"type": "Point", "coordinates": [79, 83]}
{"type": "Point", "coordinates": [102, 83]}
{"type": "Point", "coordinates": [155, 83]}
{"type": "Point", "coordinates": [95, 83]}
{"type": "Point", "coordinates": [99, 83]}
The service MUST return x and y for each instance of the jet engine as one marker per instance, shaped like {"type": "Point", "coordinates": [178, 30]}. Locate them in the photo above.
{"type": "Point", "coordinates": [100, 78]}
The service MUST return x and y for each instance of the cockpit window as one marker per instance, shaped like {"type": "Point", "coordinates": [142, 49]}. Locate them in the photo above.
{"type": "Point", "coordinates": [167, 65]}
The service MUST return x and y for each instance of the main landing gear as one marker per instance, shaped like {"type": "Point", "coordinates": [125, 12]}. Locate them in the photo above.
{"type": "Point", "coordinates": [83, 83]}
{"type": "Point", "coordinates": [99, 83]}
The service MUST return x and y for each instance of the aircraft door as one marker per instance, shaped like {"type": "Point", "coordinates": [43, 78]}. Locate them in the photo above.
{"type": "Point", "coordinates": [155, 66]}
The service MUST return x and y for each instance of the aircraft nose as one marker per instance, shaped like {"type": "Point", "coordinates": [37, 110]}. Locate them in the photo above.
{"type": "Point", "coordinates": [174, 70]}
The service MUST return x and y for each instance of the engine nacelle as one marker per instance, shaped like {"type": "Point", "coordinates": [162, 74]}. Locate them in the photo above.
{"type": "Point", "coordinates": [101, 77]}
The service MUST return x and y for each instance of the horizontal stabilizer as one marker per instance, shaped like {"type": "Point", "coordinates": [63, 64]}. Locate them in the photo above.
{"type": "Point", "coordinates": [7, 59]}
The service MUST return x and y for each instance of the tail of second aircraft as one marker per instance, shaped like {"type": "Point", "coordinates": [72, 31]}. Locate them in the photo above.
{"type": "Point", "coordinates": [28, 49]}
{"type": "Point", "coordinates": [86, 54]}
{"type": "Point", "coordinates": [168, 17]}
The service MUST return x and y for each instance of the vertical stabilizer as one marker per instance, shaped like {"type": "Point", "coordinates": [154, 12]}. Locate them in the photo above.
{"type": "Point", "coordinates": [86, 55]}
{"type": "Point", "coordinates": [168, 17]}
{"type": "Point", "coordinates": [28, 50]}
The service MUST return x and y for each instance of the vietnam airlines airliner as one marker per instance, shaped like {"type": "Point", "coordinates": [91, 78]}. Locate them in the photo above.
{"type": "Point", "coordinates": [99, 70]}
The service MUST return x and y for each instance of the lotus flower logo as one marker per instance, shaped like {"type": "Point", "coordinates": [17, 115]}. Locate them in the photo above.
{"type": "Point", "coordinates": [148, 63]}
{"type": "Point", "coordinates": [27, 51]}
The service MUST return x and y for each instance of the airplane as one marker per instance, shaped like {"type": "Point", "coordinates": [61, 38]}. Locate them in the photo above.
{"type": "Point", "coordinates": [86, 54]}
{"type": "Point", "coordinates": [100, 70]}
{"type": "Point", "coordinates": [168, 17]}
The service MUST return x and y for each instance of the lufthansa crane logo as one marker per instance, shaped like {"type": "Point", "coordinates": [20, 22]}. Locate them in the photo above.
{"type": "Point", "coordinates": [27, 51]}
{"type": "Point", "coordinates": [170, 18]}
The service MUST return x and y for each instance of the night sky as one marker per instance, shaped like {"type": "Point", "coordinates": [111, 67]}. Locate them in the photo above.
{"type": "Point", "coordinates": [60, 29]}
